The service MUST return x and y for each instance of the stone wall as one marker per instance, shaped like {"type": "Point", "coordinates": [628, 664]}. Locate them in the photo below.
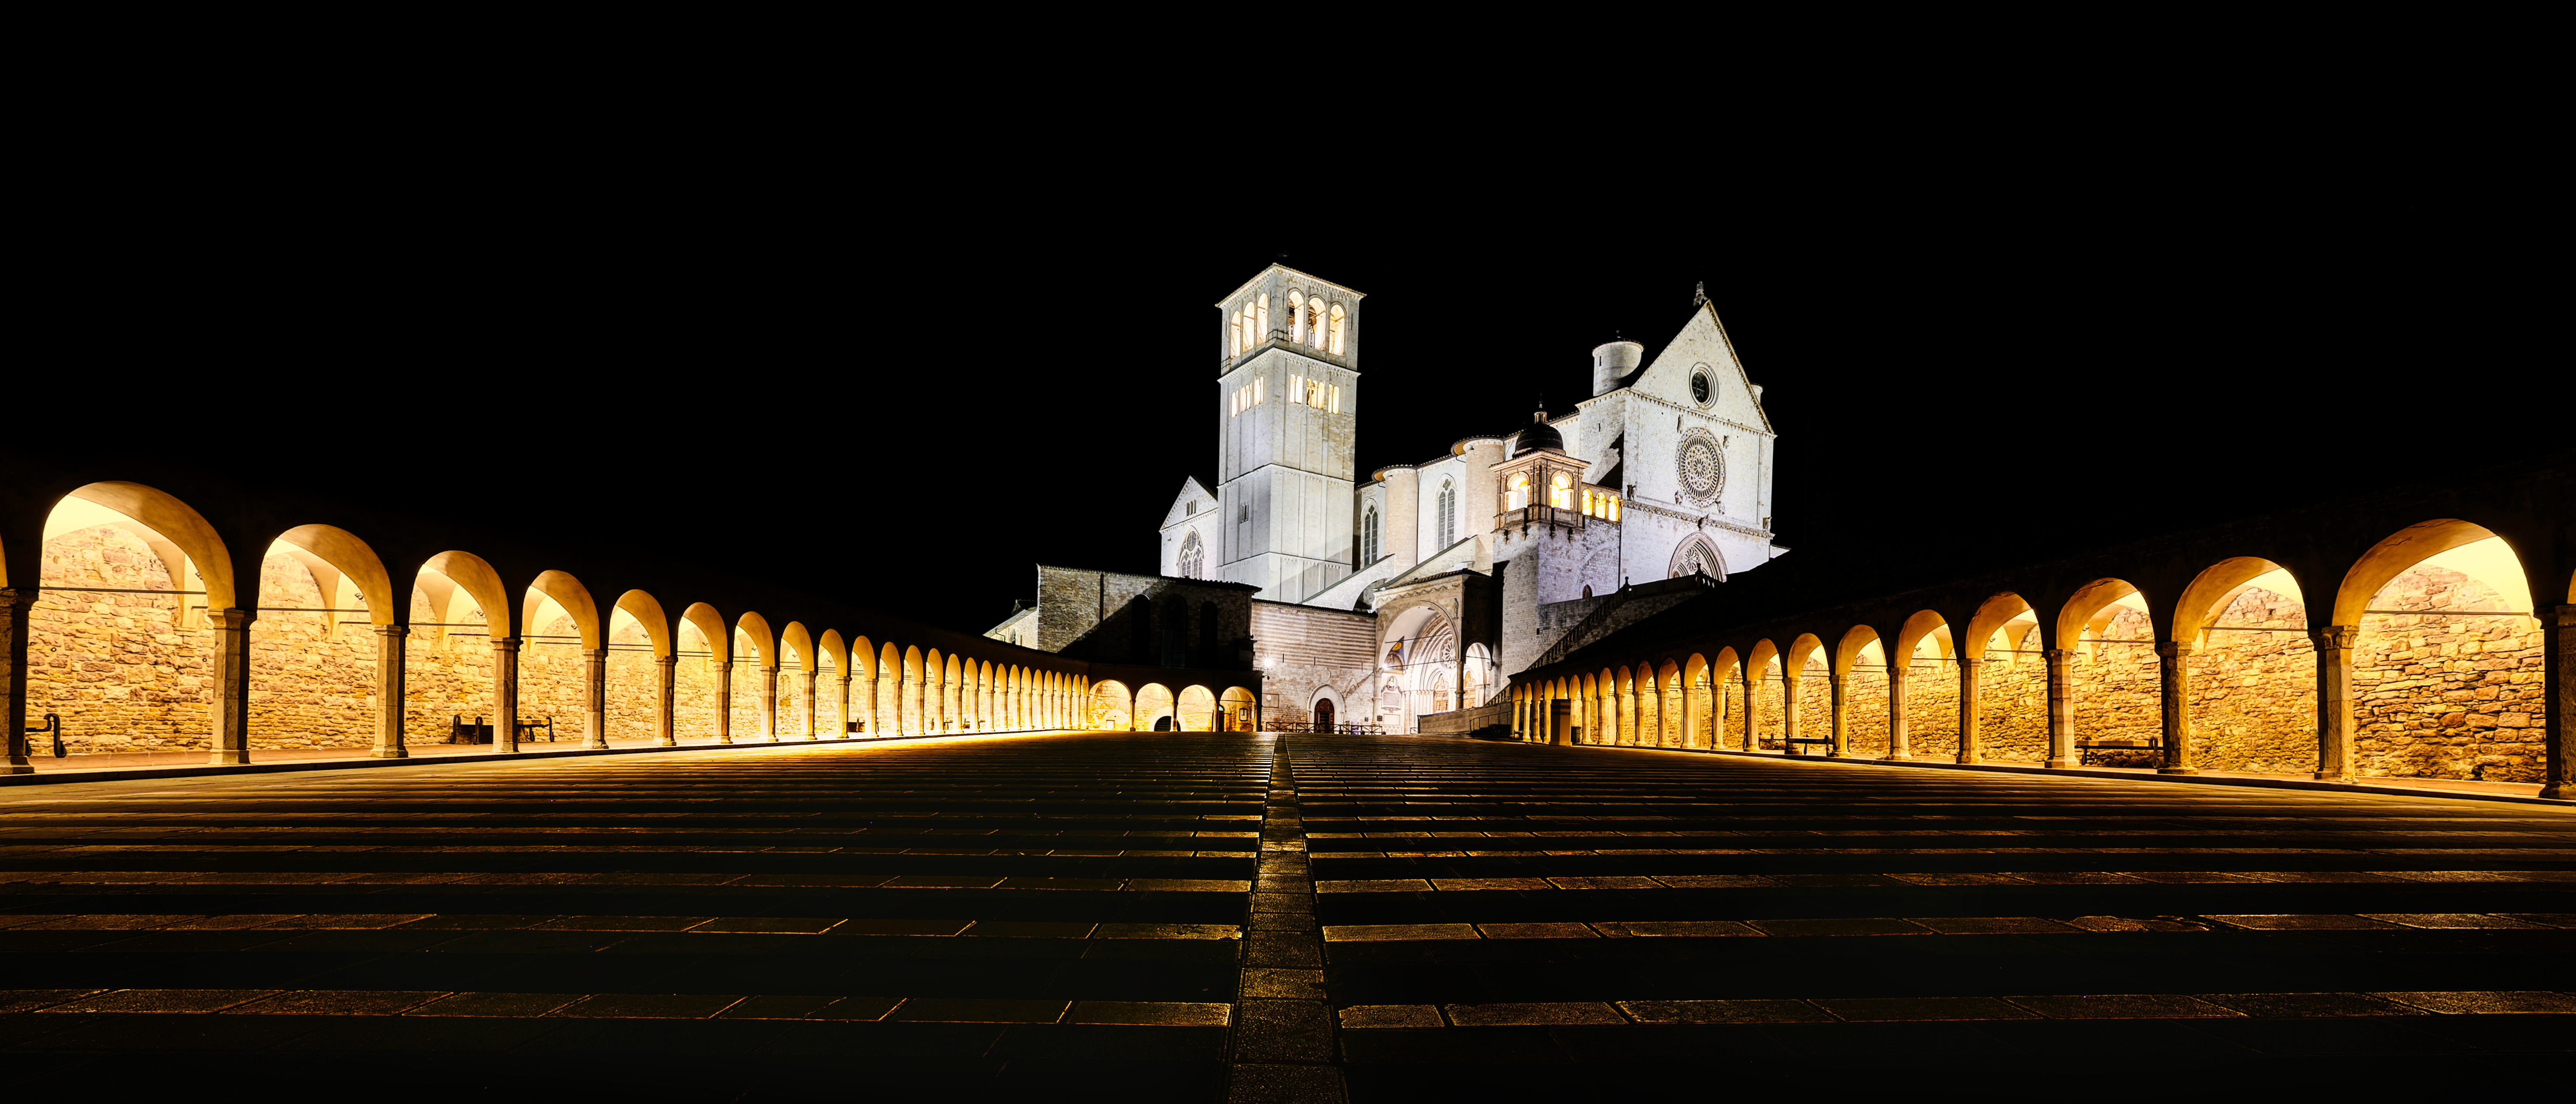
{"type": "Point", "coordinates": [119, 669]}
{"type": "Point", "coordinates": [2254, 688]}
{"type": "Point", "coordinates": [1301, 649]}
{"type": "Point", "coordinates": [2448, 692]}
{"type": "Point", "coordinates": [2117, 688]}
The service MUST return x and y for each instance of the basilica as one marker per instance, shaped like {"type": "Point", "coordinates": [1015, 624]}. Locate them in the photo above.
{"type": "Point", "coordinates": [1417, 590]}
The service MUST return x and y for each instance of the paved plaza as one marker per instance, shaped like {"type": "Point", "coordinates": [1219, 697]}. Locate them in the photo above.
{"type": "Point", "coordinates": [1214, 916]}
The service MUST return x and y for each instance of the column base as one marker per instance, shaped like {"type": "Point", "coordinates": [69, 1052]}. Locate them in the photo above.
{"type": "Point", "coordinates": [17, 768]}
{"type": "Point", "coordinates": [2060, 764]}
{"type": "Point", "coordinates": [2563, 791]}
{"type": "Point", "coordinates": [594, 744]}
{"type": "Point", "coordinates": [225, 757]}
{"type": "Point", "coordinates": [1839, 755]}
{"type": "Point", "coordinates": [389, 753]}
{"type": "Point", "coordinates": [499, 748]}
{"type": "Point", "coordinates": [665, 741]}
{"type": "Point", "coordinates": [2338, 779]}
{"type": "Point", "coordinates": [2177, 770]}
{"type": "Point", "coordinates": [1896, 758]}
{"type": "Point", "coordinates": [1969, 760]}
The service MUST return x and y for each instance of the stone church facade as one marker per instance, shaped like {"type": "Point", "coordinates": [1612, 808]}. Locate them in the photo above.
{"type": "Point", "coordinates": [1420, 589]}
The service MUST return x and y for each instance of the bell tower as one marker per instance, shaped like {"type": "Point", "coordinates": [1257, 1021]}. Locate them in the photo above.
{"type": "Point", "coordinates": [1288, 400]}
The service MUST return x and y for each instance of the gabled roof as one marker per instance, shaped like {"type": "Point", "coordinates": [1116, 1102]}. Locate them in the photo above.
{"type": "Point", "coordinates": [1191, 490]}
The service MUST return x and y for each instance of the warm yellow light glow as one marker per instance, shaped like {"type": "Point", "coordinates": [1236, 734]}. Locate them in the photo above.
{"type": "Point", "coordinates": [1337, 400]}
{"type": "Point", "coordinates": [1614, 507]}
{"type": "Point", "coordinates": [1296, 388]}
{"type": "Point", "coordinates": [1587, 503]}
{"type": "Point", "coordinates": [1261, 318]}
{"type": "Point", "coordinates": [1297, 317]}
{"type": "Point", "coordinates": [1560, 491]}
{"type": "Point", "coordinates": [1256, 390]}
{"type": "Point", "coordinates": [2489, 561]}
{"type": "Point", "coordinates": [1334, 344]}
{"type": "Point", "coordinates": [1517, 496]}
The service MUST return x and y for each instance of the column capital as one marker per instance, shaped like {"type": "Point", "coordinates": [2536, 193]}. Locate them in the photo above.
{"type": "Point", "coordinates": [1971, 661]}
{"type": "Point", "coordinates": [2566, 616]}
{"type": "Point", "coordinates": [17, 596]}
{"type": "Point", "coordinates": [230, 618]}
{"type": "Point", "coordinates": [391, 630]}
{"type": "Point", "coordinates": [2335, 637]}
{"type": "Point", "coordinates": [595, 653]}
{"type": "Point", "coordinates": [667, 661]}
{"type": "Point", "coordinates": [2055, 653]}
{"type": "Point", "coordinates": [504, 643]}
{"type": "Point", "coordinates": [2174, 649]}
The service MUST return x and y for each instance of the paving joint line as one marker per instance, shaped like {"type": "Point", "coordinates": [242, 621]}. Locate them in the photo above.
{"type": "Point", "coordinates": [1284, 1045]}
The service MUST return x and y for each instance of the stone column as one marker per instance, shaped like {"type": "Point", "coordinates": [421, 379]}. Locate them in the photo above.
{"type": "Point", "coordinates": [665, 713]}
{"type": "Point", "coordinates": [392, 642]}
{"type": "Point", "coordinates": [1900, 747]}
{"type": "Point", "coordinates": [2334, 700]}
{"type": "Point", "coordinates": [1752, 711]}
{"type": "Point", "coordinates": [724, 700]}
{"type": "Point", "coordinates": [881, 707]}
{"type": "Point", "coordinates": [2175, 663]}
{"type": "Point", "coordinates": [505, 695]}
{"type": "Point", "coordinates": [1838, 683]}
{"type": "Point", "coordinates": [844, 721]}
{"type": "Point", "coordinates": [231, 689]}
{"type": "Point", "coordinates": [1788, 710]}
{"type": "Point", "coordinates": [1971, 706]}
{"type": "Point", "coordinates": [2061, 707]}
{"type": "Point", "coordinates": [14, 602]}
{"type": "Point", "coordinates": [769, 705]}
{"type": "Point", "coordinates": [2558, 693]}
{"type": "Point", "coordinates": [594, 713]}
{"type": "Point", "coordinates": [809, 703]}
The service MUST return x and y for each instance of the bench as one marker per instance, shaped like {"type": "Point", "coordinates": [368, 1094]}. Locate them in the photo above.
{"type": "Point", "coordinates": [2089, 752]}
{"type": "Point", "coordinates": [1793, 742]}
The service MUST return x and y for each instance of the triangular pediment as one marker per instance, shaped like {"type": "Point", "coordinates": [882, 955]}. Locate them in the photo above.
{"type": "Point", "coordinates": [1193, 493]}
{"type": "Point", "coordinates": [1703, 341]}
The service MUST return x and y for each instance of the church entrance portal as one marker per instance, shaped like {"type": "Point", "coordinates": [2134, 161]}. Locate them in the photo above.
{"type": "Point", "coordinates": [1324, 715]}
{"type": "Point", "coordinates": [1162, 724]}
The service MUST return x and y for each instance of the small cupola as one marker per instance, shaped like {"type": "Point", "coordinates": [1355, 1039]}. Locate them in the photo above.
{"type": "Point", "coordinates": [1539, 435]}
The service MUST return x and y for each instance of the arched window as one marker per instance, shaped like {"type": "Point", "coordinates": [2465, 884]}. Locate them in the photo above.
{"type": "Point", "coordinates": [1448, 524]}
{"type": "Point", "coordinates": [1368, 537]}
{"type": "Point", "coordinates": [1297, 317]}
{"type": "Point", "coordinates": [1192, 563]}
{"type": "Point", "coordinates": [1315, 323]}
{"type": "Point", "coordinates": [1517, 496]}
{"type": "Point", "coordinates": [1234, 337]}
{"type": "Point", "coordinates": [1333, 344]}
{"type": "Point", "coordinates": [1261, 318]}
{"type": "Point", "coordinates": [1560, 491]}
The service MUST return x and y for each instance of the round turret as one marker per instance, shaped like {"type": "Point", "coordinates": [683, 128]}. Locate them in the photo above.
{"type": "Point", "coordinates": [1612, 362]}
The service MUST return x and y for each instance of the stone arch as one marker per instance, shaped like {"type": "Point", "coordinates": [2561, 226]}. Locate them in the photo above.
{"type": "Point", "coordinates": [2402, 550]}
{"type": "Point", "coordinates": [646, 611]}
{"type": "Point", "coordinates": [1329, 697]}
{"type": "Point", "coordinates": [2239, 630]}
{"type": "Point", "coordinates": [1696, 554]}
{"type": "Point", "coordinates": [573, 598]}
{"type": "Point", "coordinates": [2434, 675]}
{"type": "Point", "coordinates": [1764, 693]}
{"type": "Point", "coordinates": [1194, 710]}
{"type": "Point", "coordinates": [1112, 707]}
{"type": "Point", "coordinates": [1668, 702]}
{"type": "Point", "coordinates": [1860, 706]}
{"type": "Point", "coordinates": [2107, 631]}
{"type": "Point", "coordinates": [177, 523]}
{"type": "Point", "coordinates": [952, 694]}
{"type": "Point", "coordinates": [1153, 708]}
{"type": "Point", "coordinates": [111, 663]}
{"type": "Point", "coordinates": [342, 552]}
{"type": "Point", "coordinates": [1237, 710]}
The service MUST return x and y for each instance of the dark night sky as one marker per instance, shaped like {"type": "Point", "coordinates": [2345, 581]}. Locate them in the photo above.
{"type": "Point", "coordinates": [905, 388]}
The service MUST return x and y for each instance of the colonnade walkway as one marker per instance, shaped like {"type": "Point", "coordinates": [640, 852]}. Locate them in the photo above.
{"type": "Point", "coordinates": [1198, 917]}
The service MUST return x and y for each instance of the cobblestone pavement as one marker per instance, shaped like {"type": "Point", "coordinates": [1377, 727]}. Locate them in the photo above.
{"type": "Point", "coordinates": [1080, 916]}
